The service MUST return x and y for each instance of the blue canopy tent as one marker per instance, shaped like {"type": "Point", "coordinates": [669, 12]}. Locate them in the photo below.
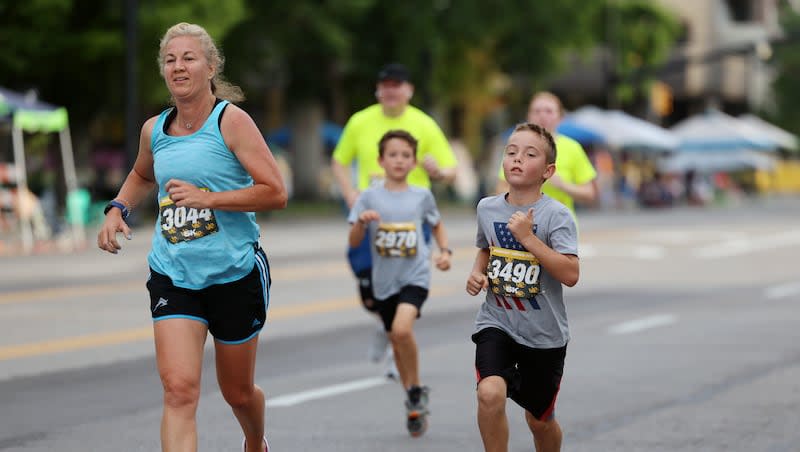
{"type": "Point", "coordinates": [330, 132]}
{"type": "Point", "coordinates": [28, 114]}
{"type": "Point", "coordinates": [583, 135]}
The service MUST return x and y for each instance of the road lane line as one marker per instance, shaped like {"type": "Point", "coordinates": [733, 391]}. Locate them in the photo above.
{"type": "Point", "coordinates": [782, 290]}
{"type": "Point", "coordinates": [327, 391]}
{"type": "Point", "coordinates": [747, 245]}
{"type": "Point", "coordinates": [279, 275]}
{"type": "Point", "coordinates": [295, 273]}
{"type": "Point", "coordinates": [146, 332]}
{"type": "Point", "coordinates": [25, 296]}
{"type": "Point", "coordinates": [96, 340]}
{"type": "Point", "coordinates": [634, 326]}
{"type": "Point", "coordinates": [642, 252]}
{"type": "Point", "coordinates": [75, 343]}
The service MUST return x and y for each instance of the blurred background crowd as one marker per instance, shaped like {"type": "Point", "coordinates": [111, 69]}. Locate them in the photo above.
{"type": "Point", "coordinates": [677, 102]}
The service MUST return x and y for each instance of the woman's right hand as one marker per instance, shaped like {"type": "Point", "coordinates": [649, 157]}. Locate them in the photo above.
{"type": "Point", "coordinates": [107, 236]}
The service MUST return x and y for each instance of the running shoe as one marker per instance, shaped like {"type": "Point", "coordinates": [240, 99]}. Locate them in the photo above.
{"type": "Point", "coordinates": [379, 345]}
{"type": "Point", "coordinates": [417, 410]}
{"type": "Point", "coordinates": [244, 445]}
{"type": "Point", "coordinates": [391, 367]}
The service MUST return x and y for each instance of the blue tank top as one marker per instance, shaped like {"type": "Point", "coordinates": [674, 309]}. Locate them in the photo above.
{"type": "Point", "coordinates": [197, 248]}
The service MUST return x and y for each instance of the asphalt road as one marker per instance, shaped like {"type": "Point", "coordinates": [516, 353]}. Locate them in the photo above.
{"type": "Point", "coordinates": [684, 330]}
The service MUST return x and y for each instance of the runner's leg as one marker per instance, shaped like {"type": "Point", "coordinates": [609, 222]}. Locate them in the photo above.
{"type": "Point", "coordinates": [236, 375]}
{"type": "Point", "coordinates": [405, 345]}
{"type": "Point", "coordinates": [546, 434]}
{"type": "Point", "coordinates": [179, 356]}
{"type": "Point", "coordinates": [492, 419]}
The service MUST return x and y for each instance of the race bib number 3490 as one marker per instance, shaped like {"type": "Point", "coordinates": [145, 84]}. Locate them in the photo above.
{"type": "Point", "coordinates": [182, 224]}
{"type": "Point", "coordinates": [513, 273]}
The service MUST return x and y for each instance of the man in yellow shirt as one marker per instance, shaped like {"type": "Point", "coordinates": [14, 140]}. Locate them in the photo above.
{"type": "Point", "coordinates": [575, 178]}
{"type": "Point", "coordinates": [359, 144]}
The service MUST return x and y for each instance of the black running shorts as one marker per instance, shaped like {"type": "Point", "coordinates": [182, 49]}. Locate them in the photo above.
{"type": "Point", "coordinates": [235, 312]}
{"type": "Point", "coordinates": [408, 294]}
{"type": "Point", "coordinates": [532, 375]}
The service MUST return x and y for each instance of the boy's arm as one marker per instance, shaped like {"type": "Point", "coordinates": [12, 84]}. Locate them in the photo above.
{"type": "Point", "coordinates": [445, 253]}
{"type": "Point", "coordinates": [440, 235]}
{"type": "Point", "coordinates": [359, 227]}
{"type": "Point", "coordinates": [477, 279]}
{"type": "Point", "coordinates": [357, 232]}
{"type": "Point", "coordinates": [563, 267]}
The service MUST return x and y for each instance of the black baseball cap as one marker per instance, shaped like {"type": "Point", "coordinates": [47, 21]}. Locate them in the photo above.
{"type": "Point", "coordinates": [394, 71]}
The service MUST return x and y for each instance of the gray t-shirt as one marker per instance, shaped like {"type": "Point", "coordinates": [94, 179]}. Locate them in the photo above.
{"type": "Point", "coordinates": [523, 299]}
{"type": "Point", "coordinates": [400, 255]}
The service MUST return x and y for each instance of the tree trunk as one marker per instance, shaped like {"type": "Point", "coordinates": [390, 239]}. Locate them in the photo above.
{"type": "Point", "coordinates": [307, 152]}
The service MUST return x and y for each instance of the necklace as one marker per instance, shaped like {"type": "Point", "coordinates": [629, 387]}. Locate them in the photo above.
{"type": "Point", "coordinates": [189, 124]}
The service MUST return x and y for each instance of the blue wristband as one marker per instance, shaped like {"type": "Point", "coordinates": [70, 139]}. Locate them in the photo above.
{"type": "Point", "coordinates": [118, 205]}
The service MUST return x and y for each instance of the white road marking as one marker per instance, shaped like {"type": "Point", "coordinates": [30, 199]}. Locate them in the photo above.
{"type": "Point", "coordinates": [327, 391]}
{"type": "Point", "coordinates": [782, 290]}
{"type": "Point", "coordinates": [642, 252]}
{"type": "Point", "coordinates": [634, 326]}
{"type": "Point", "coordinates": [687, 236]}
{"type": "Point", "coordinates": [586, 251]}
{"type": "Point", "coordinates": [743, 246]}
{"type": "Point", "coordinates": [649, 252]}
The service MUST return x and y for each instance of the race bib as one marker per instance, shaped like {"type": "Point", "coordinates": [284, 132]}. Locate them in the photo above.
{"type": "Point", "coordinates": [513, 273]}
{"type": "Point", "coordinates": [396, 239]}
{"type": "Point", "coordinates": [182, 224]}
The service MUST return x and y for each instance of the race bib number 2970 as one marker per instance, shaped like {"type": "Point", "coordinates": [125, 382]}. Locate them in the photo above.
{"type": "Point", "coordinates": [182, 224]}
{"type": "Point", "coordinates": [396, 239]}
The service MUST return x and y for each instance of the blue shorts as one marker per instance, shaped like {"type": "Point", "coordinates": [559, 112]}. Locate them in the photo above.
{"type": "Point", "coordinates": [234, 312]}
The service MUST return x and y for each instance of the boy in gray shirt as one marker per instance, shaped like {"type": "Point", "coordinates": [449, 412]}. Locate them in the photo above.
{"type": "Point", "coordinates": [527, 249]}
{"type": "Point", "coordinates": [393, 214]}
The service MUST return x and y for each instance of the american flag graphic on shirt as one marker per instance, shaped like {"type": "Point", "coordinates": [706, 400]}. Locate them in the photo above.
{"type": "Point", "coordinates": [506, 238]}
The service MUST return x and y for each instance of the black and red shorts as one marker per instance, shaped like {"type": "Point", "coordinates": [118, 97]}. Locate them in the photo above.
{"type": "Point", "coordinates": [532, 375]}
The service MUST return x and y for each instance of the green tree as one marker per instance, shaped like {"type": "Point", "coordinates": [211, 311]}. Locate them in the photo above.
{"type": "Point", "coordinates": [639, 35]}
{"type": "Point", "coordinates": [73, 53]}
{"type": "Point", "coordinates": [297, 52]}
{"type": "Point", "coordinates": [786, 86]}
{"type": "Point", "coordinates": [330, 51]}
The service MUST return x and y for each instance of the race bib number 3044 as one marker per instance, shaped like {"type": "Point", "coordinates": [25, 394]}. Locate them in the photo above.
{"type": "Point", "coordinates": [396, 239]}
{"type": "Point", "coordinates": [513, 273]}
{"type": "Point", "coordinates": [182, 224]}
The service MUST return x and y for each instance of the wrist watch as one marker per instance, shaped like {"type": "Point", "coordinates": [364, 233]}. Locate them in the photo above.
{"type": "Point", "coordinates": [118, 205]}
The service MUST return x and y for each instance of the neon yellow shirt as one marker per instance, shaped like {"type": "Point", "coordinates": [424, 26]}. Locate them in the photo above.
{"type": "Point", "coordinates": [572, 165]}
{"type": "Point", "coordinates": [364, 130]}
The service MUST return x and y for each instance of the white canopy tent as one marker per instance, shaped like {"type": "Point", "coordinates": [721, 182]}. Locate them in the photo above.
{"type": "Point", "coordinates": [28, 114]}
{"type": "Point", "coordinates": [783, 138]}
{"type": "Point", "coordinates": [711, 162]}
{"type": "Point", "coordinates": [622, 130]}
{"type": "Point", "coordinates": [718, 131]}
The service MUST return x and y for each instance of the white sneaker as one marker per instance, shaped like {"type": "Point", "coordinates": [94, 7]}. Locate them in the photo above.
{"type": "Point", "coordinates": [391, 367]}
{"type": "Point", "coordinates": [379, 345]}
{"type": "Point", "coordinates": [266, 445]}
